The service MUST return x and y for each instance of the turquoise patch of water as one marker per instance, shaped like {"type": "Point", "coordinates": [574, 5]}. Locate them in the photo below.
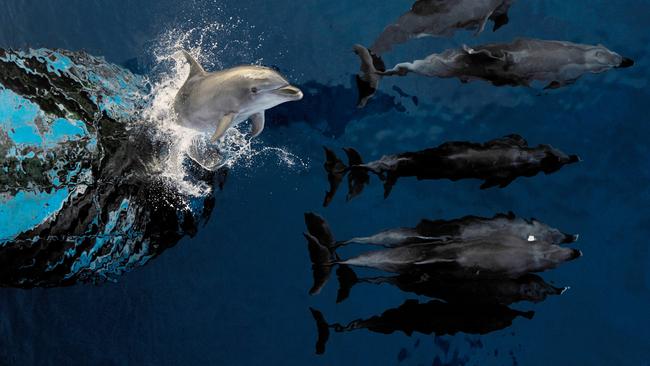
{"type": "Point", "coordinates": [27, 209]}
{"type": "Point", "coordinates": [17, 116]}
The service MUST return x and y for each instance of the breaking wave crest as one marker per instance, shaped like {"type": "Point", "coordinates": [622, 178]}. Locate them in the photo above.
{"type": "Point", "coordinates": [210, 43]}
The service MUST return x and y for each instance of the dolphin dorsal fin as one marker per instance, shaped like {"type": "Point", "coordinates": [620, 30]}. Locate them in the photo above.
{"type": "Point", "coordinates": [195, 67]}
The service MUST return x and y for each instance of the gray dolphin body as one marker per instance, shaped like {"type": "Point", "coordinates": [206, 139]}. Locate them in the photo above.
{"type": "Point", "coordinates": [441, 18]}
{"type": "Point", "coordinates": [498, 255]}
{"type": "Point", "coordinates": [465, 228]}
{"type": "Point", "coordinates": [517, 64]}
{"type": "Point", "coordinates": [216, 101]}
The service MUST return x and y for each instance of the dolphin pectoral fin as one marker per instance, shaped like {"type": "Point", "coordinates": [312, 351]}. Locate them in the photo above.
{"type": "Point", "coordinates": [481, 26]}
{"type": "Point", "coordinates": [257, 121]}
{"type": "Point", "coordinates": [207, 156]}
{"type": "Point", "coordinates": [222, 127]}
{"type": "Point", "coordinates": [499, 21]}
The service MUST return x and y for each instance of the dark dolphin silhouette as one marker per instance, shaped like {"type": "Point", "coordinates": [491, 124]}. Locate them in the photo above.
{"type": "Point", "coordinates": [497, 162]}
{"type": "Point", "coordinates": [433, 317]}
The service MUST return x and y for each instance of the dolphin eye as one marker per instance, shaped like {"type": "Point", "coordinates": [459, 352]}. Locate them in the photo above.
{"type": "Point", "coordinates": [254, 90]}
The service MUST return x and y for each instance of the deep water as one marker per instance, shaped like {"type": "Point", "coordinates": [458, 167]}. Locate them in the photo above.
{"type": "Point", "coordinates": [236, 293]}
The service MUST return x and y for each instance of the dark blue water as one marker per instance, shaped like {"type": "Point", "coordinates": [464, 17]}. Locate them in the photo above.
{"type": "Point", "coordinates": [236, 294]}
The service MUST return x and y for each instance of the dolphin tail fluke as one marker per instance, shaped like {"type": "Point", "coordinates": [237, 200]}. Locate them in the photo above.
{"type": "Point", "coordinates": [322, 247]}
{"type": "Point", "coordinates": [321, 263]}
{"type": "Point", "coordinates": [347, 279]}
{"type": "Point", "coordinates": [320, 229]}
{"type": "Point", "coordinates": [358, 177]}
{"type": "Point", "coordinates": [323, 330]}
{"type": "Point", "coordinates": [368, 76]}
{"type": "Point", "coordinates": [336, 170]}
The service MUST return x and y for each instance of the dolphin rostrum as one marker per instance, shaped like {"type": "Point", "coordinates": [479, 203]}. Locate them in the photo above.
{"type": "Point", "coordinates": [216, 101]}
{"type": "Point", "coordinates": [519, 63]}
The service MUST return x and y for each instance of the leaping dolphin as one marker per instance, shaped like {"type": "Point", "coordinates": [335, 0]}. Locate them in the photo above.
{"type": "Point", "coordinates": [216, 101]}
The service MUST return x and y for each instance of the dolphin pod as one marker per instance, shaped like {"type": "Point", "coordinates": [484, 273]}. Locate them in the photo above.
{"type": "Point", "coordinates": [472, 268]}
{"type": "Point", "coordinates": [519, 63]}
{"type": "Point", "coordinates": [497, 162]}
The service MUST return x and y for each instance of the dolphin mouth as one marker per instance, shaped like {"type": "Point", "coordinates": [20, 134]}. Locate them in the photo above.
{"type": "Point", "coordinates": [290, 92]}
{"type": "Point", "coordinates": [626, 62]}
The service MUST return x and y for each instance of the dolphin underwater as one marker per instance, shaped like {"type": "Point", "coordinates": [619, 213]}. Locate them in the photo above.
{"type": "Point", "coordinates": [518, 63]}
{"type": "Point", "coordinates": [216, 101]}
{"type": "Point", "coordinates": [433, 317]}
{"type": "Point", "coordinates": [441, 18]}
{"type": "Point", "coordinates": [498, 256]}
{"type": "Point", "coordinates": [498, 162]}
{"type": "Point", "coordinates": [467, 248]}
{"type": "Point", "coordinates": [464, 228]}
{"type": "Point", "coordinates": [504, 291]}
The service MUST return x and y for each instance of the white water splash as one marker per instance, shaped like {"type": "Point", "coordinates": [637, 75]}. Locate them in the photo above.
{"type": "Point", "coordinates": [210, 43]}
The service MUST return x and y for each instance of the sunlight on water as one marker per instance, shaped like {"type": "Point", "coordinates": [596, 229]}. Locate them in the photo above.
{"type": "Point", "coordinates": [209, 43]}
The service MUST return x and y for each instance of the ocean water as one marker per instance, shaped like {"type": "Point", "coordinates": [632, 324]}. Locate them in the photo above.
{"type": "Point", "coordinates": [237, 292]}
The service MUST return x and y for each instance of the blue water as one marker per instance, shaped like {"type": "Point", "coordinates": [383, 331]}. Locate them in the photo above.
{"type": "Point", "coordinates": [236, 293]}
